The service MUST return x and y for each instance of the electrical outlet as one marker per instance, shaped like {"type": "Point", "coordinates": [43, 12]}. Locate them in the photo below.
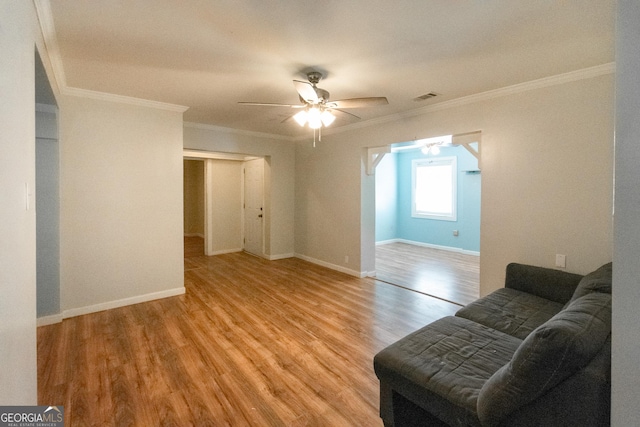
{"type": "Point", "coordinates": [346, 259]}
{"type": "Point", "coordinates": [455, 233]}
{"type": "Point", "coordinates": [561, 261]}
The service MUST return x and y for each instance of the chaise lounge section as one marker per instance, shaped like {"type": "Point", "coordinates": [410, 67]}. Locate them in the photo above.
{"type": "Point", "coordinates": [534, 353]}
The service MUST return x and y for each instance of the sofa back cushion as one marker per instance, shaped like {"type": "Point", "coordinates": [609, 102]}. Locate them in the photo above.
{"type": "Point", "coordinates": [551, 353]}
{"type": "Point", "coordinates": [555, 285]}
{"type": "Point", "coordinates": [596, 281]}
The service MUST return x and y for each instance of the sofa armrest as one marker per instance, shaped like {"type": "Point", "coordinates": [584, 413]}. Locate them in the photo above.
{"type": "Point", "coordinates": [583, 399]}
{"type": "Point", "coordinates": [544, 282]}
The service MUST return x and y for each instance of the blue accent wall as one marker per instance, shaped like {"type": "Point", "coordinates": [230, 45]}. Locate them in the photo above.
{"type": "Point", "coordinates": [430, 231]}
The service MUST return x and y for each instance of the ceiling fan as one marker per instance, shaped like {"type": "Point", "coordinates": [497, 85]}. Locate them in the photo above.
{"type": "Point", "coordinates": [316, 109]}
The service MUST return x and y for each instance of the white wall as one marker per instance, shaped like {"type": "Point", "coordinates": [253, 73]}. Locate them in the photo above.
{"type": "Point", "coordinates": [626, 268]}
{"type": "Point", "coordinates": [279, 177]}
{"type": "Point", "coordinates": [19, 34]}
{"type": "Point", "coordinates": [546, 171]}
{"type": "Point", "coordinates": [121, 204]}
{"type": "Point", "coordinates": [547, 166]}
{"type": "Point", "coordinates": [328, 202]}
{"type": "Point", "coordinates": [387, 198]}
{"type": "Point", "coordinates": [225, 207]}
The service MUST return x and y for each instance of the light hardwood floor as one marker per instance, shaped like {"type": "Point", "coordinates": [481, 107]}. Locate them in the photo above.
{"type": "Point", "coordinates": [451, 276]}
{"type": "Point", "coordinates": [251, 343]}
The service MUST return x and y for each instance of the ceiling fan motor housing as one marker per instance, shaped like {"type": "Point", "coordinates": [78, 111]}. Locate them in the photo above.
{"type": "Point", "coordinates": [316, 99]}
{"type": "Point", "coordinates": [323, 95]}
{"type": "Point", "coordinates": [314, 77]}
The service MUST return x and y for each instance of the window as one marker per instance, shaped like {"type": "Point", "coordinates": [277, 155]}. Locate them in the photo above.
{"type": "Point", "coordinates": [433, 192]}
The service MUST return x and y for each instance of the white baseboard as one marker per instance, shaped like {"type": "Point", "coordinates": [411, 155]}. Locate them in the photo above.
{"type": "Point", "coordinates": [279, 256]}
{"type": "Point", "coordinates": [225, 251]}
{"type": "Point", "coordinates": [122, 303]}
{"type": "Point", "coordinates": [49, 320]}
{"type": "Point", "coordinates": [336, 267]}
{"type": "Point", "coordinates": [386, 242]}
{"type": "Point", "coordinates": [429, 245]}
{"type": "Point", "coordinates": [267, 257]}
{"type": "Point", "coordinates": [194, 235]}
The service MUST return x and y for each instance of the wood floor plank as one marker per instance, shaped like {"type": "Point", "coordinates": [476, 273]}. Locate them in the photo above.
{"type": "Point", "coordinates": [251, 343]}
{"type": "Point", "coordinates": [452, 276]}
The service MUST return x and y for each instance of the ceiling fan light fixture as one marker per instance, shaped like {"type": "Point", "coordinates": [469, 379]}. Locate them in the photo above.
{"type": "Point", "coordinates": [316, 107]}
{"type": "Point", "coordinates": [314, 118]}
{"type": "Point", "coordinates": [327, 118]}
{"type": "Point", "coordinates": [432, 147]}
{"type": "Point", "coordinates": [301, 117]}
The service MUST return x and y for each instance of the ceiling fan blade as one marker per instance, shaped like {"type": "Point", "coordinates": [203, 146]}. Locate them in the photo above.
{"type": "Point", "coordinates": [306, 91]}
{"type": "Point", "coordinates": [288, 118]}
{"type": "Point", "coordinates": [359, 102]}
{"type": "Point", "coordinates": [271, 104]}
{"type": "Point", "coordinates": [345, 112]}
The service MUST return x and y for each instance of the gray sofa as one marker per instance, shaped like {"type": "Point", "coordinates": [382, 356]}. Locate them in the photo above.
{"type": "Point", "coordinates": [534, 353]}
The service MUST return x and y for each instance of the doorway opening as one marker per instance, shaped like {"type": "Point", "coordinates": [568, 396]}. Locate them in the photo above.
{"type": "Point", "coordinates": [193, 206]}
{"type": "Point", "coordinates": [430, 245]}
{"type": "Point", "coordinates": [47, 194]}
{"type": "Point", "coordinates": [222, 194]}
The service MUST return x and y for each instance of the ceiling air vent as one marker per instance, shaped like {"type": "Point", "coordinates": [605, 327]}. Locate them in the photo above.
{"type": "Point", "coordinates": [426, 96]}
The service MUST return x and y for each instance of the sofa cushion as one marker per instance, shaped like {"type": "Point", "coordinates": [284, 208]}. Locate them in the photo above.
{"type": "Point", "coordinates": [511, 311]}
{"type": "Point", "coordinates": [596, 281]}
{"type": "Point", "coordinates": [554, 285]}
{"type": "Point", "coordinates": [443, 366]}
{"type": "Point", "coordinates": [554, 351]}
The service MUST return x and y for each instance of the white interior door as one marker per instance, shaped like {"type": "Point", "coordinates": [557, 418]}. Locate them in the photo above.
{"type": "Point", "coordinates": [253, 206]}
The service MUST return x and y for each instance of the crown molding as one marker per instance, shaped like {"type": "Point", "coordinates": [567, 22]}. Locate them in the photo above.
{"type": "Point", "coordinates": [572, 76]}
{"type": "Point", "coordinates": [222, 129]}
{"type": "Point", "coordinates": [52, 51]}
{"type": "Point", "coordinates": [45, 18]}
{"type": "Point", "coordinates": [48, 29]}
{"type": "Point", "coordinates": [104, 96]}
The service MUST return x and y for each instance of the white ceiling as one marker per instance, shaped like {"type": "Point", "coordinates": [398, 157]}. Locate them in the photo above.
{"type": "Point", "coordinates": [210, 54]}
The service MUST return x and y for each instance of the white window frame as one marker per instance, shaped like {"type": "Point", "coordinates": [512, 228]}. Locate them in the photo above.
{"type": "Point", "coordinates": [439, 161]}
